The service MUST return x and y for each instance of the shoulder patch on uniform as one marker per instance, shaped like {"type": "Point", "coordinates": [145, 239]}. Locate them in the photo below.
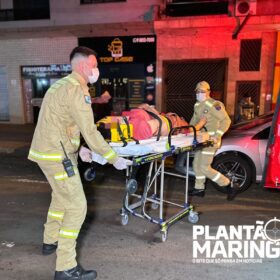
{"type": "Point", "coordinates": [217, 106]}
{"type": "Point", "coordinates": [87, 99]}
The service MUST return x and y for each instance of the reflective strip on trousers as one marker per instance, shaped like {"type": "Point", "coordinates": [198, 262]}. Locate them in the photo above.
{"type": "Point", "coordinates": [67, 233]}
{"type": "Point", "coordinates": [208, 153]}
{"type": "Point", "coordinates": [56, 215]}
{"type": "Point", "coordinates": [217, 177]}
{"type": "Point", "coordinates": [220, 132]}
{"type": "Point", "coordinates": [200, 177]}
{"type": "Point", "coordinates": [109, 154]}
{"type": "Point", "coordinates": [211, 133]}
{"type": "Point", "coordinates": [63, 175]}
{"type": "Point", "coordinates": [44, 156]}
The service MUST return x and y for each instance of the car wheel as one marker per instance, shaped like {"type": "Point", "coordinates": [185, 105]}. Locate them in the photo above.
{"type": "Point", "coordinates": [235, 168]}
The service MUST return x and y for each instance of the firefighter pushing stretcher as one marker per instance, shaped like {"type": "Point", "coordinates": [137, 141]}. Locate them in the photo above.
{"type": "Point", "coordinates": [65, 114]}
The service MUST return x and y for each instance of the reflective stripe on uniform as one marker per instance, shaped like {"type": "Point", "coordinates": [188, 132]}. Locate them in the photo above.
{"type": "Point", "coordinates": [56, 215]}
{"type": "Point", "coordinates": [63, 175]}
{"type": "Point", "coordinates": [75, 141]}
{"type": "Point", "coordinates": [109, 155]}
{"type": "Point", "coordinates": [211, 133]}
{"type": "Point", "coordinates": [220, 132]}
{"type": "Point", "coordinates": [208, 103]}
{"type": "Point", "coordinates": [45, 156]}
{"type": "Point", "coordinates": [208, 153]}
{"type": "Point", "coordinates": [196, 104]}
{"type": "Point", "coordinates": [200, 177]}
{"type": "Point", "coordinates": [68, 233]}
{"type": "Point", "coordinates": [216, 178]}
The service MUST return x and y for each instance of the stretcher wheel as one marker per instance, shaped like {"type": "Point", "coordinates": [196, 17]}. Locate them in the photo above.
{"type": "Point", "coordinates": [89, 174]}
{"type": "Point", "coordinates": [131, 186]}
{"type": "Point", "coordinates": [193, 217]}
{"type": "Point", "coordinates": [164, 236]}
{"type": "Point", "coordinates": [154, 206]}
{"type": "Point", "coordinates": [124, 219]}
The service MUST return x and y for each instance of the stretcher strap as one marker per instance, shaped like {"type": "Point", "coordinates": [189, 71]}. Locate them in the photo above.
{"type": "Point", "coordinates": [128, 130]}
{"type": "Point", "coordinates": [157, 117]}
{"type": "Point", "coordinates": [128, 133]}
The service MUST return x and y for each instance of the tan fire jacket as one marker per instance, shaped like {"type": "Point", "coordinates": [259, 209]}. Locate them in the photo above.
{"type": "Point", "coordinates": [65, 113]}
{"type": "Point", "coordinates": [218, 121]}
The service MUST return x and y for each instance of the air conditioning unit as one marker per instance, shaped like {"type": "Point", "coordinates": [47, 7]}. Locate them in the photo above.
{"type": "Point", "coordinates": [245, 7]}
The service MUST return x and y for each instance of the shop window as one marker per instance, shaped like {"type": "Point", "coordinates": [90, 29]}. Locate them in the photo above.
{"type": "Point", "coordinates": [4, 95]}
{"type": "Point", "coordinates": [248, 96]}
{"type": "Point", "coordinates": [25, 10]}
{"type": "Point", "coordinates": [250, 55]}
{"type": "Point", "coordinates": [99, 1]}
{"type": "Point", "coordinates": [127, 64]}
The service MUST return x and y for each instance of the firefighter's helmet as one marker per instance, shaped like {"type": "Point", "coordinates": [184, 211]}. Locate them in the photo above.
{"type": "Point", "coordinates": [202, 86]}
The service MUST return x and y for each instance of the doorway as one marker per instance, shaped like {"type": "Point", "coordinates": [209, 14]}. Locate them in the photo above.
{"type": "Point", "coordinates": [180, 79]}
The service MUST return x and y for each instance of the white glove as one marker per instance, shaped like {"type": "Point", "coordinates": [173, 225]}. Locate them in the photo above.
{"type": "Point", "coordinates": [122, 163]}
{"type": "Point", "coordinates": [85, 154]}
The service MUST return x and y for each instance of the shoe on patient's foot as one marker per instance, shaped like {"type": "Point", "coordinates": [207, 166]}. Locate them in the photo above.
{"type": "Point", "coordinates": [48, 249]}
{"type": "Point", "coordinates": [233, 189]}
{"type": "Point", "coordinates": [76, 273]}
{"type": "Point", "coordinates": [197, 192]}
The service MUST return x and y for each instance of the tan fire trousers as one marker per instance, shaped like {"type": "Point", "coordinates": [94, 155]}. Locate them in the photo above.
{"type": "Point", "coordinates": [66, 213]}
{"type": "Point", "coordinates": [202, 169]}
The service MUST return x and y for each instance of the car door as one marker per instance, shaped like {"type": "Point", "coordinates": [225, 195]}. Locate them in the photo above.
{"type": "Point", "coordinates": [271, 173]}
{"type": "Point", "coordinates": [262, 138]}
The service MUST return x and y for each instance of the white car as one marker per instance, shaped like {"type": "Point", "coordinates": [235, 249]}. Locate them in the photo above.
{"type": "Point", "coordinates": [243, 149]}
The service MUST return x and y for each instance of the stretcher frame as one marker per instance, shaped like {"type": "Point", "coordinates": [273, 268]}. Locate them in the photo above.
{"type": "Point", "coordinates": [157, 168]}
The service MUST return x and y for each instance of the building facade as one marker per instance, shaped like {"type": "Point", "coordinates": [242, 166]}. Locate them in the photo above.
{"type": "Point", "coordinates": [234, 48]}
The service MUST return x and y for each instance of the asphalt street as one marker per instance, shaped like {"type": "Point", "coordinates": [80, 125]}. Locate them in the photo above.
{"type": "Point", "coordinates": [130, 252]}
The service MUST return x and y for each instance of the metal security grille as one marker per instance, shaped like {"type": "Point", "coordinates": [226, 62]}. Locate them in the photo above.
{"type": "Point", "coordinates": [181, 79]}
{"type": "Point", "coordinates": [247, 89]}
{"type": "Point", "coordinates": [250, 55]}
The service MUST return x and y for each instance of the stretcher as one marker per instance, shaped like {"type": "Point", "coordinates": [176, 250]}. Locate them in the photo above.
{"type": "Point", "coordinates": [139, 204]}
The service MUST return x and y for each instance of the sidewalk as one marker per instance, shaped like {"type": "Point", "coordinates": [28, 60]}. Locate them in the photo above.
{"type": "Point", "coordinates": [14, 137]}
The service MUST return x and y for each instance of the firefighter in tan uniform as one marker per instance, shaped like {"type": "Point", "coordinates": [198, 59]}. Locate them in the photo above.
{"type": "Point", "coordinates": [217, 122]}
{"type": "Point", "coordinates": [65, 114]}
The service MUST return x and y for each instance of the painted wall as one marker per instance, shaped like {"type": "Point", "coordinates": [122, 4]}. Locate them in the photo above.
{"type": "Point", "coordinates": [177, 39]}
{"type": "Point", "coordinates": [71, 12]}
{"type": "Point", "coordinates": [211, 38]}
{"type": "Point", "coordinates": [37, 51]}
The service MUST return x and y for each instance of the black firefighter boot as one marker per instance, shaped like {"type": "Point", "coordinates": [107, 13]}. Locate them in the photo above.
{"type": "Point", "coordinates": [233, 188]}
{"type": "Point", "coordinates": [196, 192]}
{"type": "Point", "coordinates": [48, 249]}
{"type": "Point", "coordinates": [76, 273]}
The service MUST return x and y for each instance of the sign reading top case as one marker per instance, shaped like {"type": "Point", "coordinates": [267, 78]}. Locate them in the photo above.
{"type": "Point", "coordinates": [123, 49]}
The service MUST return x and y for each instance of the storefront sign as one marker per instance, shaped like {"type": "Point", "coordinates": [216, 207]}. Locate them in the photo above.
{"type": "Point", "coordinates": [53, 70]}
{"type": "Point", "coordinates": [128, 49]}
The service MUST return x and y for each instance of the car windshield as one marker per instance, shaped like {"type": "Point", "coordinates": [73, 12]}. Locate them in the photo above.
{"type": "Point", "coordinates": [253, 123]}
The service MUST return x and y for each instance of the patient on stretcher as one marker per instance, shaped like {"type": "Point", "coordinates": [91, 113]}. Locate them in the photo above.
{"type": "Point", "coordinates": [150, 131]}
